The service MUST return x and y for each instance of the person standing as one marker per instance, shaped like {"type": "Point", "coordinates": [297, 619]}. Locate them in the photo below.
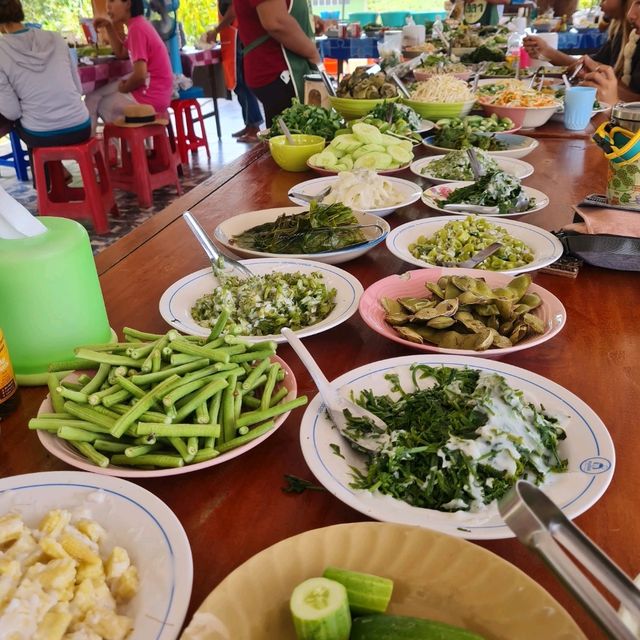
{"type": "Point", "coordinates": [232, 61]}
{"type": "Point", "coordinates": [151, 81]}
{"type": "Point", "coordinates": [39, 85]}
{"type": "Point", "coordinates": [279, 50]}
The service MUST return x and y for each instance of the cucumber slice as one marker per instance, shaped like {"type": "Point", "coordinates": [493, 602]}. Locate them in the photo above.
{"type": "Point", "coordinates": [377, 627]}
{"type": "Point", "coordinates": [367, 593]}
{"type": "Point", "coordinates": [320, 610]}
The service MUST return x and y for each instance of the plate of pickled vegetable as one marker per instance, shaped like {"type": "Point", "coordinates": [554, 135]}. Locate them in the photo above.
{"type": "Point", "coordinates": [435, 576]}
{"type": "Point", "coordinates": [462, 312]}
{"type": "Point", "coordinates": [460, 431]}
{"type": "Point", "coordinates": [434, 242]}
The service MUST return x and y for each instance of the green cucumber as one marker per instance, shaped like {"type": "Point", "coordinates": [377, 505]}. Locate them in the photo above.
{"type": "Point", "coordinates": [379, 627]}
{"type": "Point", "coordinates": [320, 610]}
{"type": "Point", "coordinates": [367, 593]}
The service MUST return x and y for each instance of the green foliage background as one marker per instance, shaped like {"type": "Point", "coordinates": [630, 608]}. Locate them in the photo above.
{"type": "Point", "coordinates": [62, 15]}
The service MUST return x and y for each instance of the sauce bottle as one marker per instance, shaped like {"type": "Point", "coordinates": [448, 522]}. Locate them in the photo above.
{"type": "Point", "coordinates": [8, 386]}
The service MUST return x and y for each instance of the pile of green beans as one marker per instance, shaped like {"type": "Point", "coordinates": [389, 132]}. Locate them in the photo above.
{"type": "Point", "coordinates": [165, 401]}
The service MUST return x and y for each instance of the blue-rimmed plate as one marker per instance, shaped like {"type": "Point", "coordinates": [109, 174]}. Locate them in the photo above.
{"type": "Point", "coordinates": [134, 519]}
{"type": "Point", "coordinates": [587, 447]}
{"type": "Point", "coordinates": [176, 302]}
{"type": "Point", "coordinates": [227, 230]}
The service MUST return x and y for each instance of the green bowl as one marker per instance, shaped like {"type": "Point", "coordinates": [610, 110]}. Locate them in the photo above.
{"type": "Point", "coordinates": [293, 157]}
{"type": "Point", "coordinates": [435, 110]}
{"type": "Point", "coordinates": [352, 108]}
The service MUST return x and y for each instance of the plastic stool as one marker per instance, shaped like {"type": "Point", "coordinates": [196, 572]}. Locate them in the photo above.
{"type": "Point", "coordinates": [155, 168]}
{"type": "Point", "coordinates": [185, 131]}
{"type": "Point", "coordinates": [95, 199]}
{"type": "Point", "coordinates": [18, 159]}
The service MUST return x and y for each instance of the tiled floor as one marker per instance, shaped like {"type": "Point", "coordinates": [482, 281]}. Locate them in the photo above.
{"type": "Point", "coordinates": [223, 151]}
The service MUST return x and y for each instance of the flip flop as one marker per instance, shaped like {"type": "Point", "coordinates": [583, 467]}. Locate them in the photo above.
{"type": "Point", "coordinates": [248, 138]}
{"type": "Point", "coordinates": [239, 134]}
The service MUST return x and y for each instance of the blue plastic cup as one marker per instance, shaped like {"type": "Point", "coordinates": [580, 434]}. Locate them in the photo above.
{"type": "Point", "coordinates": [578, 107]}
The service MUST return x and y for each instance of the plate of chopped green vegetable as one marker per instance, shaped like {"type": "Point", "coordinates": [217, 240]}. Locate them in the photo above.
{"type": "Point", "coordinates": [324, 233]}
{"type": "Point", "coordinates": [444, 239]}
{"type": "Point", "coordinates": [499, 189]}
{"type": "Point", "coordinates": [307, 296]}
{"type": "Point", "coordinates": [463, 430]}
{"type": "Point", "coordinates": [455, 167]}
{"type": "Point", "coordinates": [501, 144]}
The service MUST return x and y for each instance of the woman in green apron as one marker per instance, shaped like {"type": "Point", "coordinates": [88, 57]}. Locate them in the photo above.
{"type": "Point", "coordinates": [279, 49]}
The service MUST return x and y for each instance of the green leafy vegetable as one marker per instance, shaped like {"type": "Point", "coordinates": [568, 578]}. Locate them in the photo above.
{"type": "Point", "coordinates": [312, 231]}
{"type": "Point", "coordinates": [309, 119]}
{"type": "Point", "coordinates": [484, 53]}
{"type": "Point", "coordinates": [458, 441]}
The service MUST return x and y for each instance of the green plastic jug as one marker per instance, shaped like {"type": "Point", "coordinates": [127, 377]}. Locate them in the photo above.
{"type": "Point", "coordinates": [50, 298]}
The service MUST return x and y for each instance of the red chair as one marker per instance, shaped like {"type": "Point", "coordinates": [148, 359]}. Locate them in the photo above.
{"type": "Point", "coordinates": [186, 135]}
{"type": "Point", "coordinates": [95, 199]}
{"type": "Point", "coordinates": [141, 170]}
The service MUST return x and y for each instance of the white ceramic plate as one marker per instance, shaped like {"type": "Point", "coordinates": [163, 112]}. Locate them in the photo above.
{"type": "Point", "coordinates": [435, 576]}
{"type": "Point", "coordinates": [177, 300]}
{"type": "Point", "coordinates": [518, 146]}
{"type": "Point", "coordinates": [233, 226]}
{"type": "Point", "coordinates": [588, 448]}
{"type": "Point", "coordinates": [134, 519]}
{"type": "Point", "coordinates": [63, 451]}
{"type": "Point", "coordinates": [412, 284]}
{"type": "Point", "coordinates": [518, 168]}
{"type": "Point", "coordinates": [545, 246]}
{"type": "Point", "coordinates": [409, 190]}
{"type": "Point", "coordinates": [442, 191]}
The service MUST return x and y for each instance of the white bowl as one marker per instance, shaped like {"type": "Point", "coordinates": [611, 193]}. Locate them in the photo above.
{"type": "Point", "coordinates": [545, 246]}
{"type": "Point", "coordinates": [524, 117]}
{"type": "Point", "coordinates": [226, 230]}
{"type": "Point", "coordinates": [517, 146]}
{"type": "Point", "coordinates": [410, 191]}
{"type": "Point", "coordinates": [518, 168]}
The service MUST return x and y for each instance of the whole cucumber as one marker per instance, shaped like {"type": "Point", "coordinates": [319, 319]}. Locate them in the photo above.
{"type": "Point", "coordinates": [381, 627]}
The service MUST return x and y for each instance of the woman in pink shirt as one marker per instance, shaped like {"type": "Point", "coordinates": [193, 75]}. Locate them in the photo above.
{"type": "Point", "coordinates": [151, 81]}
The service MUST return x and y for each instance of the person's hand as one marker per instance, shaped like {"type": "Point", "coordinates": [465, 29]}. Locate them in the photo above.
{"type": "Point", "coordinates": [122, 86]}
{"type": "Point", "coordinates": [603, 78]}
{"type": "Point", "coordinates": [537, 47]}
{"type": "Point", "coordinates": [212, 35]}
{"type": "Point", "coordinates": [102, 21]}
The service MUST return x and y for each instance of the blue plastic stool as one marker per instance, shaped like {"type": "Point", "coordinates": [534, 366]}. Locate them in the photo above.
{"type": "Point", "coordinates": [191, 93]}
{"type": "Point", "coordinates": [18, 159]}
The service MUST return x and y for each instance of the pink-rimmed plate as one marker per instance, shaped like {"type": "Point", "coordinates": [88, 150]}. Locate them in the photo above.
{"type": "Point", "coordinates": [412, 283]}
{"type": "Point", "coordinates": [63, 451]}
{"type": "Point", "coordinates": [383, 172]}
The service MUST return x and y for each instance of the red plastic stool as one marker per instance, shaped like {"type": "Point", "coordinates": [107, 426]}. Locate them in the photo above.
{"type": "Point", "coordinates": [185, 131]}
{"type": "Point", "coordinates": [95, 199]}
{"type": "Point", "coordinates": [154, 168]}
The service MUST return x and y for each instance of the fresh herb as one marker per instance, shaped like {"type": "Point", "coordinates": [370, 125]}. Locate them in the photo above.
{"type": "Point", "coordinates": [312, 231]}
{"type": "Point", "coordinates": [484, 54]}
{"type": "Point", "coordinates": [309, 119]}
{"type": "Point", "coordinates": [457, 443]}
{"type": "Point", "coordinates": [336, 449]}
{"type": "Point", "coordinates": [465, 137]}
{"type": "Point", "coordinates": [299, 485]}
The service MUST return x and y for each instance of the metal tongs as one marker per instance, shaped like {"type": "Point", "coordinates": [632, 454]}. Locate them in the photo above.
{"type": "Point", "coordinates": [403, 90]}
{"type": "Point", "coordinates": [326, 80]}
{"type": "Point", "coordinates": [537, 79]}
{"type": "Point", "coordinates": [540, 524]}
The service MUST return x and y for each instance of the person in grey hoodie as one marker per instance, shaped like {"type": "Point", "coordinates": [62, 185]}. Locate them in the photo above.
{"type": "Point", "coordinates": [39, 84]}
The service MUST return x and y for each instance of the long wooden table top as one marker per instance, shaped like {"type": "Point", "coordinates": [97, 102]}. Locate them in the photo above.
{"type": "Point", "coordinates": [236, 509]}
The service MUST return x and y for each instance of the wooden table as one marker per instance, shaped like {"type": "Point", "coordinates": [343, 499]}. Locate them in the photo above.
{"type": "Point", "coordinates": [236, 509]}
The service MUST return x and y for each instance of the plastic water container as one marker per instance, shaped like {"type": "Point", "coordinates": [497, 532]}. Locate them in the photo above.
{"type": "Point", "coordinates": [330, 15]}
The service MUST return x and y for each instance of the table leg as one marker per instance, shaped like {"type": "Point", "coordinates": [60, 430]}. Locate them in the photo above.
{"type": "Point", "coordinates": [214, 93]}
{"type": "Point", "coordinates": [20, 163]}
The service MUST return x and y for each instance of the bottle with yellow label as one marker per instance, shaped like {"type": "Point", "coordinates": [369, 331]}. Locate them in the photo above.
{"type": "Point", "coordinates": [8, 386]}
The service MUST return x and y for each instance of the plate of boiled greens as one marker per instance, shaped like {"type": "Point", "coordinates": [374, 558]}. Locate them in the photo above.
{"type": "Point", "coordinates": [330, 233]}
{"type": "Point", "coordinates": [436, 242]}
{"type": "Point", "coordinates": [307, 296]}
{"type": "Point", "coordinates": [363, 190]}
{"type": "Point", "coordinates": [461, 430]}
{"type": "Point", "coordinates": [509, 145]}
{"type": "Point", "coordinates": [459, 312]}
{"type": "Point", "coordinates": [499, 190]}
{"type": "Point", "coordinates": [455, 166]}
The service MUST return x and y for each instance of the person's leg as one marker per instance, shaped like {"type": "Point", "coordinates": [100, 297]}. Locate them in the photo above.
{"type": "Point", "coordinates": [94, 99]}
{"type": "Point", "coordinates": [250, 107]}
{"type": "Point", "coordinates": [112, 105]}
{"type": "Point", "coordinates": [275, 98]}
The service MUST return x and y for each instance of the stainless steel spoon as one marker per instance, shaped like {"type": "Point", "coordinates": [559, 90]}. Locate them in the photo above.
{"type": "Point", "coordinates": [214, 255]}
{"type": "Point", "coordinates": [335, 404]}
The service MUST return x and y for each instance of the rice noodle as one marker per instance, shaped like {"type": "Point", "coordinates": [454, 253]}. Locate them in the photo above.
{"type": "Point", "coordinates": [442, 88]}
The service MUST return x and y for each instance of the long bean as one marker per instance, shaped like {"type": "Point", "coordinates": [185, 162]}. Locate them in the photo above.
{"type": "Point", "coordinates": [228, 411]}
{"type": "Point", "coordinates": [254, 433]}
{"type": "Point", "coordinates": [158, 376]}
{"type": "Point", "coordinates": [108, 358]}
{"type": "Point", "coordinates": [162, 460]}
{"type": "Point", "coordinates": [57, 401]}
{"type": "Point", "coordinates": [253, 417]}
{"type": "Point", "coordinates": [140, 335]}
{"type": "Point", "coordinates": [257, 371]}
{"type": "Point", "coordinates": [269, 386]}
{"type": "Point", "coordinates": [202, 396]}
{"type": "Point", "coordinates": [183, 346]}
{"type": "Point", "coordinates": [98, 379]}
{"type": "Point", "coordinates": [77, 435]}
{"type": "Point", "coordinates": [71, 365]}
{"type": "Point", "coordinates": [177, 430]}
{"type": "Point", "coordinates": [90, 452]}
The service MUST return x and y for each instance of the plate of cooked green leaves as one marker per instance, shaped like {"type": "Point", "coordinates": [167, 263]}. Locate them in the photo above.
{"type": "Point", "coordinates": [460, 432]}
{"type": "Point", "coordinates": [331, 234]}
{"type": "Point", "coordinates": [305, 295]}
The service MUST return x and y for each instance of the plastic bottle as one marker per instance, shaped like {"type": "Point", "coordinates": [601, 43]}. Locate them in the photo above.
{"type": "Point", "coordinates": [8, 386]}
{"type": "Point", "coordinates": [513, 49]}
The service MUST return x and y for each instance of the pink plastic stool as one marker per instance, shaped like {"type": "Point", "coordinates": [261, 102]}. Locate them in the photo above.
{"type": "Point", "coordinates": [186, 135]}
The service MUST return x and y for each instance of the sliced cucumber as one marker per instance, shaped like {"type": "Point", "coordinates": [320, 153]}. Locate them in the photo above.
{"type": "Point", "coordinates": [367, 593]}
{"type": "Point", "coordinates": [377, 627]}
{"type": "Point", "coordinates": [320, 610]}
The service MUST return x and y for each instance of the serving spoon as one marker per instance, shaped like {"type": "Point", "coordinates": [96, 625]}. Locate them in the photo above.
{"type": "Point", "coordinates": [285, 130]}
{"type": "Point", "coordinates": [336, 404]}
